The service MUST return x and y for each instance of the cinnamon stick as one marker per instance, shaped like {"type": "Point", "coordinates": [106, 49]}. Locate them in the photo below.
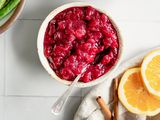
{"type": "Point", "coordinates": [115, 99]}
{"type": "Point", "coordinates": [106, 112]}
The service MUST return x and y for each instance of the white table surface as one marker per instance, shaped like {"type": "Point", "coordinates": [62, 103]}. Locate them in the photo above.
{"type": "Point", "coordinates": [26, 90]}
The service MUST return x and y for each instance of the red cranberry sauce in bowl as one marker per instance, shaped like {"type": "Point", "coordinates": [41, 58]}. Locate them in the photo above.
{"type": "Point", "coordinates": [80, 36]}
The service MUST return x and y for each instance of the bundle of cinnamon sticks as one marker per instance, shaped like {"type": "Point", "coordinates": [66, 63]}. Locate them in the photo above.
{"type": "Point", "coordinates": [105, 110]}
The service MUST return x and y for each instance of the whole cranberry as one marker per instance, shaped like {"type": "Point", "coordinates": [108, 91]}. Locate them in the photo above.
{"type": "Point", "coordinates": [107, 42]}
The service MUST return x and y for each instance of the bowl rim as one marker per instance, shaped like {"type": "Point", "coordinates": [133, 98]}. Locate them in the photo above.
{"type": "Point", "coordinates": [44, 61]}
{"type": "Point", "coordinates": [13, 17]}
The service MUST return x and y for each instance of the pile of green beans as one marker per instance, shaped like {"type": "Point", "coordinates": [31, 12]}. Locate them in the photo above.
{"type": "Point", "coordinates": [6, 6]}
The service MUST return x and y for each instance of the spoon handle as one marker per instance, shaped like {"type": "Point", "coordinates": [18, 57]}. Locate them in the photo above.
{"type": "Point", "coordinates": [57, 107]}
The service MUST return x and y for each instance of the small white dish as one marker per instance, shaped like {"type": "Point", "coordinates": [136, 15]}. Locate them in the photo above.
{"type": "Point", "coordinates": [8, 20]}
{"type": "Point", "coordinates": [40, 47]}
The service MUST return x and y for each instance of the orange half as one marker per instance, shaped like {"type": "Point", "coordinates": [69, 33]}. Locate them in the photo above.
{"type": "Point", "coordinates": [134, 96]}
{"type": "Point", "coordinates": [150, 71]}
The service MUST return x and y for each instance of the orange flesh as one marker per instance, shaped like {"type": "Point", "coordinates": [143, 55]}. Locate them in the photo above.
{"type": "Point", "coordinates": [153, 73]}
{"type": "Point", "coordinates": [137, 95]}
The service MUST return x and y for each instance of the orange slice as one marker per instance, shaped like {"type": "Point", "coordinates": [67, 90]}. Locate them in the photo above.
{"type": "Point", "coordinates": [134, 96]}
{"type": "Point", "coordinates": [150, 71]}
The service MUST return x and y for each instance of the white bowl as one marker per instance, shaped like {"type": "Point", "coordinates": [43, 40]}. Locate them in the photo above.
{"type": "Point", "coordinates": [44, 61]}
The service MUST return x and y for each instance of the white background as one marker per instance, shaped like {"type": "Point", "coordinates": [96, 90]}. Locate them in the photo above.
{"type": "Point", "coordinates": [26, 90]}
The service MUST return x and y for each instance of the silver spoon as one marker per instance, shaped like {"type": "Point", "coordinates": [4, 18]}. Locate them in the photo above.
{"type": "Point", "coordinates": [59, 104]}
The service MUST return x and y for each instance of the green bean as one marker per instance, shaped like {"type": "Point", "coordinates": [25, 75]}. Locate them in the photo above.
{"type": "Point", "coordinates": [7, 1]}
{"type": "Point", "coordinates": [2, 2]}
{"type": "Point", "coordinates": [8, 8]}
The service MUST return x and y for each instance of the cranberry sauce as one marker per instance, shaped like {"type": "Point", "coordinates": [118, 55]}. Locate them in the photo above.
{"type": "Point", "coordinates": [79, 36]}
